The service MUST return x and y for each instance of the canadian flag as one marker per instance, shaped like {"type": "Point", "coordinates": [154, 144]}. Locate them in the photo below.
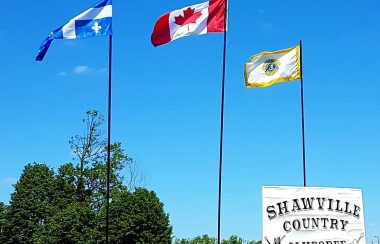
{"type": "Point", "coordinates": [197, 19]}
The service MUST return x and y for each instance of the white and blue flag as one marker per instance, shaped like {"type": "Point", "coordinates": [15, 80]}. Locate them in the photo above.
{"type": "Point", "coordinates": [96, 21]}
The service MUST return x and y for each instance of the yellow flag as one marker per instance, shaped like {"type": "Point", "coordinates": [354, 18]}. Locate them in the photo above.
{"type": "Point", "coordinates": [267, 68]}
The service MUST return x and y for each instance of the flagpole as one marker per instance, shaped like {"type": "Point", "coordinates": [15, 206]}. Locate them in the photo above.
{"type": "Point", "coordinates": [303, 121]}
{"type": "Point", "coordinates": [222, 119]}
{"type": "Point", "coordinates": [109, 137]}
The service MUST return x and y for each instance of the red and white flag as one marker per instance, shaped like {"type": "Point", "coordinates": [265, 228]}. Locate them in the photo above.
{"type": "Point", "coordinates": [197, 19]}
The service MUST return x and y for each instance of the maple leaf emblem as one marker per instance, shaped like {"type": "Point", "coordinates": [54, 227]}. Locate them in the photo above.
{"type": "Point", "coordinates": [189, 16]}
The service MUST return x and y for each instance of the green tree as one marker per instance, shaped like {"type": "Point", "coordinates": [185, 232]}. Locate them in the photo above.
{"type": "Point", "coordinates": [73, 224]}
{"type": "Point", "coordinates": [81, 187]}
{"type": "Point", "coordinates": [3, 222]}
{"type": "Point", "coordinates": [30, 204]}
{"type": "Point", "coordinates": [204, 239]}
{"type": "Point", "coordinates": [138, 217]}
{"type": "Point", "coordinates": [234, 239]}
{"type": "Point", "coordinates": [90, 174]}
{"type": "Point", "coordinates": [69, 206]}
{"type": "Point", "coordinates": [65, 186]}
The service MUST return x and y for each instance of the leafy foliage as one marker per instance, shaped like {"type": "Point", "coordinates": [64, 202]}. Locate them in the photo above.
{"type": "Point", "coordinates": [90, 173]}
{"type": "Point", "coordinates": [3, 222]}
{"type": "Point", "coordinates": [205, 239]}
{"type": "Point", "coordinates": [129, 214]}
{"type": "Point", "coordinates": [69, 206]}
{"type": "Point", "coordinates": [30, 204]}
{"type": "Point", "coordinates": [234, 239]}
{"type": "Point", "coordinates": [73, 224]}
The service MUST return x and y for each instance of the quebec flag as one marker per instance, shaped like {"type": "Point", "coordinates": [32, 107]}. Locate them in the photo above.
{"type": "Point", "coordinates": [96, 21]}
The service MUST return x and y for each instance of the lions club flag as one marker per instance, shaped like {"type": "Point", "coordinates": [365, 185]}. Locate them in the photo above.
{"type": "Point", "coordinates": [267, 68]}
{"type": "Point", "coordinates": [197, 19]}
{"type": "Point", "coordinates": [96, 21]}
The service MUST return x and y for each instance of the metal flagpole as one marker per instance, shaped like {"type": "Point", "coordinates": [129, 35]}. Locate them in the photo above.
{"type": "Point", "coordinates": [222, 118]}
{"type": "Point", "coordinates": [109, 138]}
{"type": "Point", "coordinates": [303, 121]}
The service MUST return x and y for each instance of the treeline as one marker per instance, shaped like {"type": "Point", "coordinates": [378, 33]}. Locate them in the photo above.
{"type": "Point", "coordinates": [45, 208]}
{"type": "Point", "coordinates": [205, 239]}
{"type": "Point", "coordinates": [68, 206]}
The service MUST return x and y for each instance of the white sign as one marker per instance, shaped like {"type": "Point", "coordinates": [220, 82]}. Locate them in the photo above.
{"type": "Point", "coordinates": [312, 215]}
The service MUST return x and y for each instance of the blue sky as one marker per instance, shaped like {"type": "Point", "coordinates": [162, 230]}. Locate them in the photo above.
{"type": "Point", "coordinates": [166, 103]}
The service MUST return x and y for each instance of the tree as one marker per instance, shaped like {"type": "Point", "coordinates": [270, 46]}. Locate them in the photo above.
{"type": "Point", "coordinates": [73, 224]}
{"type": "Point", "coordinates": [138, 217]}
{"type": "Point", "coordinates": [81, 188]}
{"type": "Point", "coordinates": [90, 174]}
{"type": "Point", "coordinates": [30, 204]}
{"type": "Point", "coordinates": [88, 149]}
{"type": "Point", "coordinates": [65, 186]}
{"type": "Point", "coordinates": [234, 239]}
{"type": "Point", "coordinates": [3, 222]}
{"type": "Point", "coordinates": [69, 206]}
{"type": "Point", "coordinates": [205, 239]}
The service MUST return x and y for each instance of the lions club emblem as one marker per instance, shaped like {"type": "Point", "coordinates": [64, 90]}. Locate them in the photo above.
{"type": "Point", "coordinates": [271, 66]}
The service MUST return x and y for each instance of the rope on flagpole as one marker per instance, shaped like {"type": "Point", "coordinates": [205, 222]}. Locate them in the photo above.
{"type": "Point", "coordinates": [222, 120]}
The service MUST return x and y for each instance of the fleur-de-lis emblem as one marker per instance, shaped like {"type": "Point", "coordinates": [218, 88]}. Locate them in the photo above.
{"type": "Point", "coordinates": [96, 27]}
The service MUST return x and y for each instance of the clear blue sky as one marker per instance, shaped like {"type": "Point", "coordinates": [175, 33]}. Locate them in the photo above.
{"type": "Point", "coordinates": [166, 103]}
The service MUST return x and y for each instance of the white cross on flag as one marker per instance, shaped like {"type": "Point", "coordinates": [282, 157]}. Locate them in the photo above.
{"type": "Point", "coordinates": [197, 19]}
